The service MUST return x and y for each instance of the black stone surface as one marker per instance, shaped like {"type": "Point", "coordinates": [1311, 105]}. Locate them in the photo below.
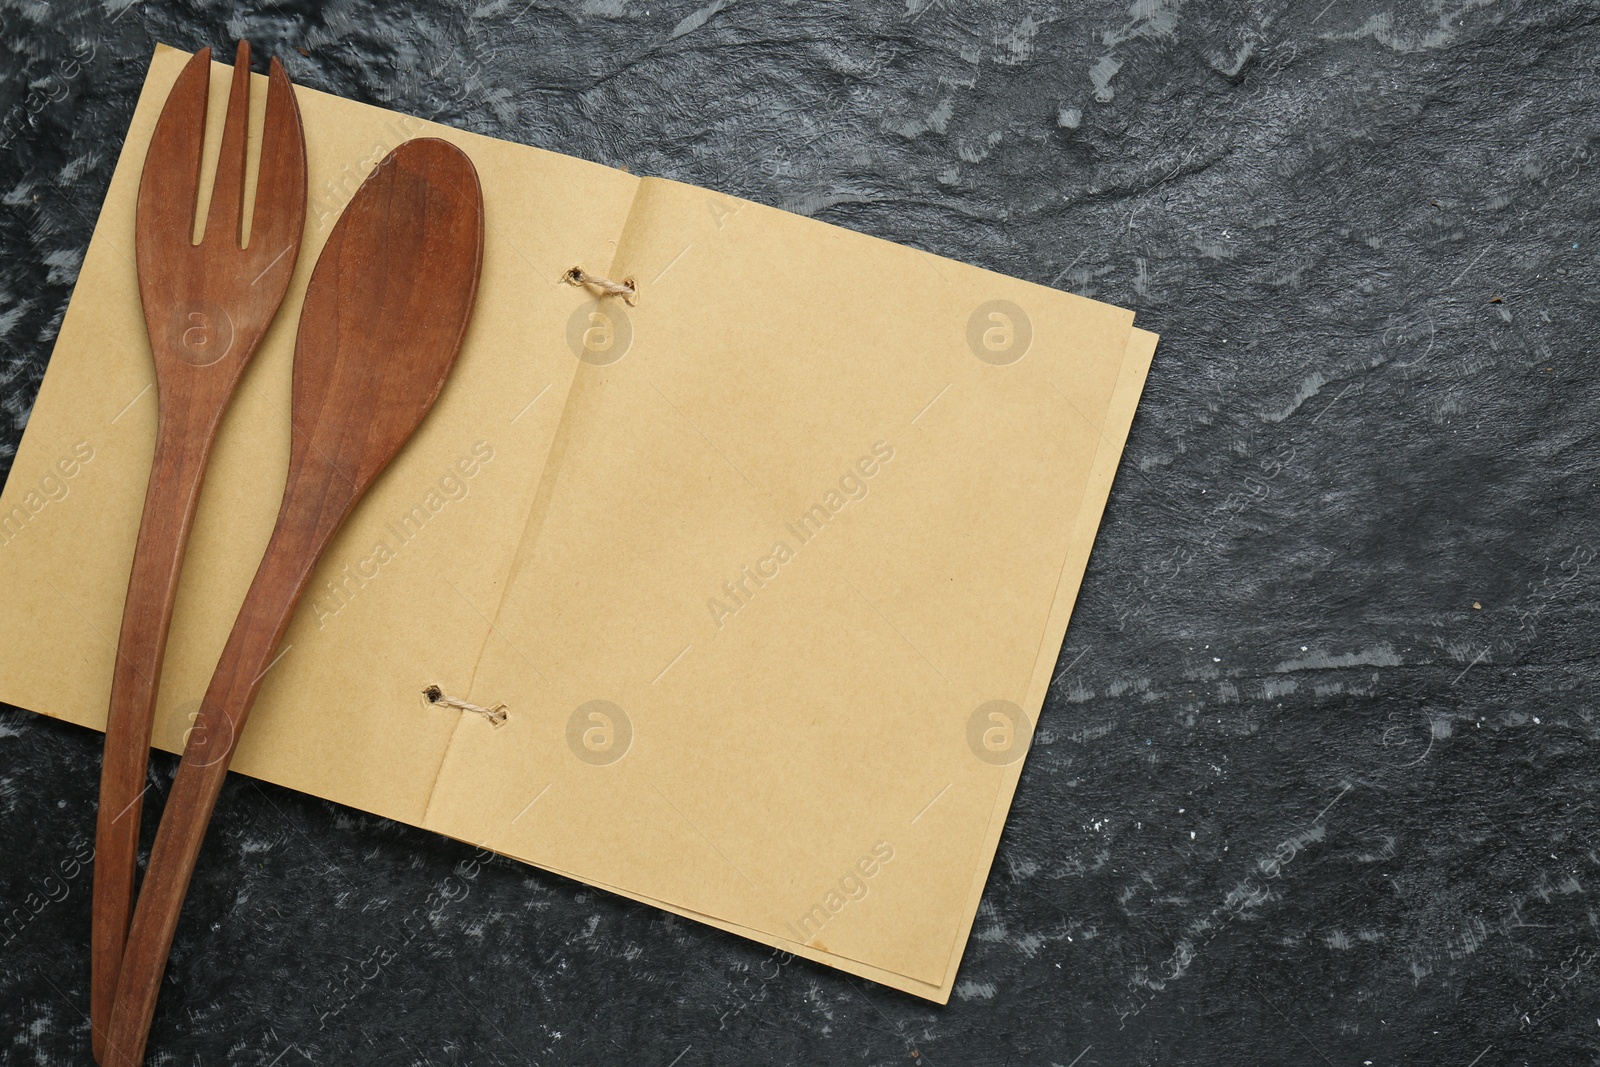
{"type": "Point", "coordinates": [1316, 783]}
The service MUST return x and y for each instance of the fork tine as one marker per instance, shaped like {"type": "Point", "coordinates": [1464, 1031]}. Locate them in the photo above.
{"type": "Point", "coordinates": [227, 193]}
{"type": "Point", "coordinates": [280, 213]}
{"type": "Point", "coordinates": [169, 186]}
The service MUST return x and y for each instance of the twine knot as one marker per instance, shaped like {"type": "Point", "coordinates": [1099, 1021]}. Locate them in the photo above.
{"type": "Point", "coordinates": [434, 695]}
{"type": "Point", "coordinates": [625, 288]}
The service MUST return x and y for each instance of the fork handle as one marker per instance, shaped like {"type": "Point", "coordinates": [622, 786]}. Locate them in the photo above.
{"type": "Point", "coordinates": [176, 474]}
{"type": "Point", "coordinates": [268, 607]}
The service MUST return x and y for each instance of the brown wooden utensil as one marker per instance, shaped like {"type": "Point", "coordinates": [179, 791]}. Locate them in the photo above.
{"type": "Point", "coordinates": [206, 307]}
{"type": "Point", "coordinates": [385, 314]}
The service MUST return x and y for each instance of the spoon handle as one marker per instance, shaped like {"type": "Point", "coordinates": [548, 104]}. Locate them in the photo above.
{"type": "Point", "coordinates": [268, 607]}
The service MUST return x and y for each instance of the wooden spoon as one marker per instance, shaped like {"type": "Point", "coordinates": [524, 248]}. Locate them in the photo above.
{"type": "Point", "coordinates": [206, 308]}
{"type": "Point", "coordinates": [385, 314]}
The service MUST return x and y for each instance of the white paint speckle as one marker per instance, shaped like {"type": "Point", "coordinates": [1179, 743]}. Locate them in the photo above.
{"type": "Point", "coordinates": [1380, 655]}
{"type": "Point", "coordinates": [972, 990]}
{"type": "Point", "coordinates": [1104, 69]}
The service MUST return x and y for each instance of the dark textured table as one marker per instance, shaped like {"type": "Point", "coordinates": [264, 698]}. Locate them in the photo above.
{"type": "Point", "coordinates": [1316, 781]}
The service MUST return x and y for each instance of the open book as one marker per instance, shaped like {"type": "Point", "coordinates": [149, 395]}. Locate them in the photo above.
{"type": "Point", "coordinates": [769, 571]}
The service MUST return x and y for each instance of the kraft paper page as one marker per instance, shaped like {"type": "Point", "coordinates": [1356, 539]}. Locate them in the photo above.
{"type": "Point", "coordinates": [1141, 349]}
{"type": "Point", "coordinates": [770, 570]}
{"type": "Point", "coordinates": [828, 693]}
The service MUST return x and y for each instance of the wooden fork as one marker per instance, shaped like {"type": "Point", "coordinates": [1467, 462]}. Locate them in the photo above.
{"type": "Point", "coordinates": [206, 307]}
